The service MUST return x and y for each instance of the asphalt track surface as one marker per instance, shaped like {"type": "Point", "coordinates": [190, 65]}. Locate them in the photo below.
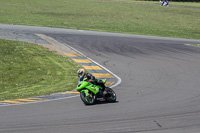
{"type": "Point", "coordinates": [159, 92]}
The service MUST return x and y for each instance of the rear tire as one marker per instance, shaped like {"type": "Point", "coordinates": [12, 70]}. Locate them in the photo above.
{"type": "Point", "coordinates": [111, 95]}
{"type": "Point", "coordinates": [87, 100]}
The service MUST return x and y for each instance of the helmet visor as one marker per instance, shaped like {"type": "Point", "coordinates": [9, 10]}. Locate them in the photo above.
{"type": "Point", "coordinates": [80, 74]}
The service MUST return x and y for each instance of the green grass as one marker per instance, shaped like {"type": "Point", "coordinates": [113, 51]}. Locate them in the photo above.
{"type": "Point", "coordinates": [29, 70]}
{"type": "Point", "coordinates": [105, 16]}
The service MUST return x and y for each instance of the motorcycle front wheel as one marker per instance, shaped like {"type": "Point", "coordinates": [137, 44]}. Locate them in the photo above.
{"type": "Point", "coordinates": [87, 100]}
{"type": "Point", "coordinates": [111, 95]}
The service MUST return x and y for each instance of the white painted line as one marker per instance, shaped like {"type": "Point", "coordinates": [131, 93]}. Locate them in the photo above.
{"type": "Point", "coordinates": [118, 78]}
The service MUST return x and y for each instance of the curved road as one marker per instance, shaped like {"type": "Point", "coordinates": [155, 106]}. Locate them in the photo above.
{"type": "Point", "coordinates": [159, 92]}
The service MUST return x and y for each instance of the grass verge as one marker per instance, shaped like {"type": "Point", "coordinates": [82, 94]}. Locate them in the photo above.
{"type": "Point", "coordinates": [29, 70]}
{"type": "Point", "coordinates": [105, 16]}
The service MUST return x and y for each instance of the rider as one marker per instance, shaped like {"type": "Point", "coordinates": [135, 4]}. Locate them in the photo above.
{"type": "Point", "coordinates": [164, 3]}
{"type": "Point", "coordinates": [90, 78]}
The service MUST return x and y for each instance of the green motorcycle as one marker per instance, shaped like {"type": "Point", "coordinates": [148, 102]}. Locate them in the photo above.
{"type": "Point", "coordinates": [91, 93]}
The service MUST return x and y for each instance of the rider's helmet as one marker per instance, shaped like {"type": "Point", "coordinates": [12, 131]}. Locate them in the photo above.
{"type": "Point", "coordinates": [81, 72]}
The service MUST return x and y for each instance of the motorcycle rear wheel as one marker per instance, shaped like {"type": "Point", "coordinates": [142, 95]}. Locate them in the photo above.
{"type": "Point", "coordinates": [87, 100]}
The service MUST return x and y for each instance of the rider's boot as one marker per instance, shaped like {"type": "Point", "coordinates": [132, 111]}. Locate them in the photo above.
{"type": "Point", "coordinates": [103, 89]}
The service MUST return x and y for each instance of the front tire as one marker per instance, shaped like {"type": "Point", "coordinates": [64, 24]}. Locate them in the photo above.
{"type": "Point", "coordinates": [111, 95]}
{"type": "Point", "coordinates": [87, 100]}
